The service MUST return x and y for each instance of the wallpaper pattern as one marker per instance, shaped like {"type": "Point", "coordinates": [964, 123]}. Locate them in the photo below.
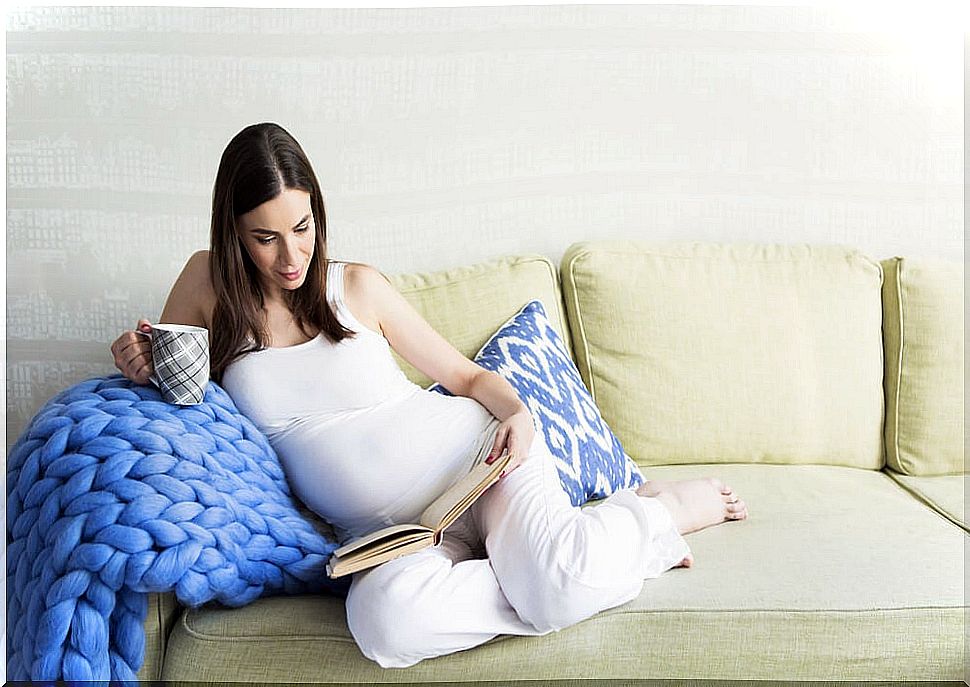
{"type": "Point", "coordinates": [446, 136]}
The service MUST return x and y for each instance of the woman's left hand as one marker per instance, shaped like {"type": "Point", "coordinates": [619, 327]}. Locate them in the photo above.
{"type": "Point", "coordinates": [515, 434]}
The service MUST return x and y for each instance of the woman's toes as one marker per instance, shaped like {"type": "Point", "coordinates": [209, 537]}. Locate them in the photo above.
{"type": "Point", "coordinates": [740, 512]}
{"type": "Point", "coordinates": [735, 509]}
{"type": "Point", "coordinates": [725, 489]}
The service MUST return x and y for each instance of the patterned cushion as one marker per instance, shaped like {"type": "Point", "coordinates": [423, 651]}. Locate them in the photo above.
{"type": "Point", "coordinates": [529, 353]}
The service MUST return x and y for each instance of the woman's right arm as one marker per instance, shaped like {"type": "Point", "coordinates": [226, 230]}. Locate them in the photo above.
{"type": "Point", "coordinates": [190, 301]}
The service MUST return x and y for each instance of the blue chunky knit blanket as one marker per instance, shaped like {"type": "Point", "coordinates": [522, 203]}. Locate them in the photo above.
{"type": "Point", "coordinates": [112, 494]}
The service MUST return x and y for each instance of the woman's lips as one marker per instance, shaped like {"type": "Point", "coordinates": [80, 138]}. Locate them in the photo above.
{"type": "Point", "coordinates": [290, 276]}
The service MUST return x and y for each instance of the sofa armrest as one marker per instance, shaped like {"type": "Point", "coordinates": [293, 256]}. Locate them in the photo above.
{"type": "Point", "coordinates": [163, 610]}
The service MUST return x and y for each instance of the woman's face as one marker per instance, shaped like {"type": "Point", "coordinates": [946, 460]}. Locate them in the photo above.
{"type": "Point", "coordinates": [279, 236]}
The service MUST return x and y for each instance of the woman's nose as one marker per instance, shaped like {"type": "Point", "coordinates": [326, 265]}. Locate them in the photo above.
{"type": "Point", "coordinates": [288, 251]}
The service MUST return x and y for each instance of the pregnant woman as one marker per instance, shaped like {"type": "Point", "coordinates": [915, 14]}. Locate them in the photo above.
{"type": "Point", "coordinates": [303, 343]}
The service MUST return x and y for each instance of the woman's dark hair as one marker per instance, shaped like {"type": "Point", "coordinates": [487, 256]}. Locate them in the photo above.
{"type": "Point", "coordinates": [260, 162]}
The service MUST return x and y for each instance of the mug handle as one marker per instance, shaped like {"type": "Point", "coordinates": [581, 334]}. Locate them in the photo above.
{"type": "Point", "coordinates": [154, 377]}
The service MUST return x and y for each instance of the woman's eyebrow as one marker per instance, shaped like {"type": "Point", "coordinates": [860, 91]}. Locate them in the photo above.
{"type": "Point", "coordinates": [260, 230]}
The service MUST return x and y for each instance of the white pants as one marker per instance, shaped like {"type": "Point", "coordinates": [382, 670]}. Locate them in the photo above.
{"type": "Point", "coordinates": [550, 564]}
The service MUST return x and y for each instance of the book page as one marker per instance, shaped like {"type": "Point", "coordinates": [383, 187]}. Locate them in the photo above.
{"type": "Point", "coordinates": [390, 534]}
{"type": "Point", "coordinates": [445, 509]}
{"type": "Point", "coordinates": [338, 567]}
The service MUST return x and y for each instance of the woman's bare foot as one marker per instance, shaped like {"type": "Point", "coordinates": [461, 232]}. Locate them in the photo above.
{"type": "Point", "coordinates": [696, 503]}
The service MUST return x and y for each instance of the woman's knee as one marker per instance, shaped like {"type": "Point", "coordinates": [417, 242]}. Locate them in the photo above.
{"type": "Point", "coordinates": [553, 605]}
{"type": "Point", "coordinates": [552, 587]}
{"type": "Point", "coordinates": [535, 586]}
{"type": "Point", "coordinates": [548, 607]}
{"type": "Point", "coordinates": [388, 609]}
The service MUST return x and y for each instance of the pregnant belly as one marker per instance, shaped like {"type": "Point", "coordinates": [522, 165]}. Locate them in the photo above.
{"type": "Point", "coordinates": [382, 465]}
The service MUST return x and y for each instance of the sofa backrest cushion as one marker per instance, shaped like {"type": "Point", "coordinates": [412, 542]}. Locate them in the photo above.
{"type": "Point", "coordinates": [466, 305]}
{"type": "Point", "coordinates": [923, 337]}
{"type": "Point", "coordinates": [714, 353]}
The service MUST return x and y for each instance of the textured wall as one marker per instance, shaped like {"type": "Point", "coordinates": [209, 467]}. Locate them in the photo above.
{"type": "Point", "coordinates": [444, 136]}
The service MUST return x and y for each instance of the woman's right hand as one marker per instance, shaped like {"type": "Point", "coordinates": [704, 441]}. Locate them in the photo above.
{"type": "Point", "coordinates": [133, 353]}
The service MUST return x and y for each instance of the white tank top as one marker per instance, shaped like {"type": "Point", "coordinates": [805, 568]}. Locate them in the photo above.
{"type": "Point", "coordinates": [361, 445]}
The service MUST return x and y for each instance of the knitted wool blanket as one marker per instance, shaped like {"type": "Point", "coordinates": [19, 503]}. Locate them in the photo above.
{"type": "Point", "coordinates": [112, 494]}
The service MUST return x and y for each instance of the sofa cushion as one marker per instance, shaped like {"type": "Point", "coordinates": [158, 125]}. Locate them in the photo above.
{"type": "Point", "coordinates": [708, 353]}
{"type": "Point", "coordinates": [837, 574]}
{"type": "Point", "coordinates": [946, 494]}
{"type": "Point", "coordinates": [528, 353]}
{"type": "Point", "coordinates": [467, 304]}
{"type": "Point", "coordinates": [923, 325]}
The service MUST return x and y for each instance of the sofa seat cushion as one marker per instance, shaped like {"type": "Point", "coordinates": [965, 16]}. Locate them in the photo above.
{"type": "Point", "coordinates": [837, 574]}
{"type": "Point", "coordinates": [731, 353]}
{"type": "Point", "coordinates": [943, 493]}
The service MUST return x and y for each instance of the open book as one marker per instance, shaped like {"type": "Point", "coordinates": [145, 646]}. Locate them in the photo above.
{"type": "Point", "coordinates": [390, 542]}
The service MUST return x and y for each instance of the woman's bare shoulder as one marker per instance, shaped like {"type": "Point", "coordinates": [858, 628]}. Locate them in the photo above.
{"type": "Point", "coordinates": [207, 293]}
{"type": "Point", "coordinates": [360, 278]}
{"type": "Point", "coordinates": [359, 269]}
{"type": "Point", "coordinates": [192, 299]}
{"type": "Point", "coordinates": [359, 292]}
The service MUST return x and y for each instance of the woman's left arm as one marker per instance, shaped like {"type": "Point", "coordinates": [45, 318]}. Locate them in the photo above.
{"type": "Point", "coordinates": [416, 341]}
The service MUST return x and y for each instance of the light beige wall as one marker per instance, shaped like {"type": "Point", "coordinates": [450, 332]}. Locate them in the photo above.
{"type": "Point", "coordinates": [444, 136]}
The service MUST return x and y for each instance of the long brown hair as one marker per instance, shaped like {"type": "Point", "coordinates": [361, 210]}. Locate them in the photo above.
{"type": "Point", "coordinates": [258, 164]}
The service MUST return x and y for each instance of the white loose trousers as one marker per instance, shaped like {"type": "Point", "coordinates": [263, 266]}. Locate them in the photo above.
{"type": "Point", "coordinates": [549, 565]}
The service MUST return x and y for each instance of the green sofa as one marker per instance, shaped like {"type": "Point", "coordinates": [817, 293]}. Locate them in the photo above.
{"type": "Point", "coordinates": [824, 386]}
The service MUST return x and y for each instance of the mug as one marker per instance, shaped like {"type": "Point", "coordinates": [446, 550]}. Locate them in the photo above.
{"type": "Point", "coordinates": [180, 353]}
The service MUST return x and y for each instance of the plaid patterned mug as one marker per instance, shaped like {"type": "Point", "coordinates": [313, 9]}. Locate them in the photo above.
{"type": "Point", "coordinates": [180, 353]}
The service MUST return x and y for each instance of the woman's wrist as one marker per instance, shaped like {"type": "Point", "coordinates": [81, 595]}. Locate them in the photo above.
{"type": "Point", "coordinates": [523, 410]}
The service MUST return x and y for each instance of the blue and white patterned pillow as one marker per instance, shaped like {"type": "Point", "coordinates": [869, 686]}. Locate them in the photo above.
{"type": "Point", "coordinates": [528, 352]}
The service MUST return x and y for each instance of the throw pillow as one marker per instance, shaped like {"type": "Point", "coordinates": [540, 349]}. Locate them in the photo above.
{"type": "Point", "coordinates": [528, 352]}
